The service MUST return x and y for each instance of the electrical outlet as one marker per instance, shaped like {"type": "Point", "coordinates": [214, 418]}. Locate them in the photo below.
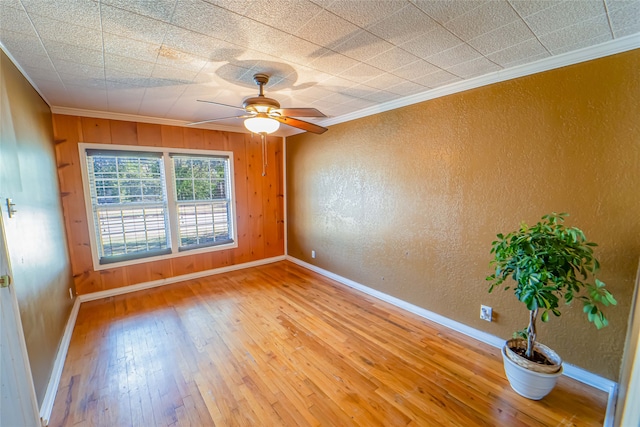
{"type": "Point", "coordinates": [486, 313]}
{"type": "Point", "coordinates": [313, 254]}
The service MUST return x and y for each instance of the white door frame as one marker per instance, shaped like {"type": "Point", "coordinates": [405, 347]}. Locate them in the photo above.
{"type": "Point", "coordinates": [18, 404]}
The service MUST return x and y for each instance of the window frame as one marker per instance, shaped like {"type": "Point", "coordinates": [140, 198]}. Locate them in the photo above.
{"type": "Point", "coordinates": [172, 202]}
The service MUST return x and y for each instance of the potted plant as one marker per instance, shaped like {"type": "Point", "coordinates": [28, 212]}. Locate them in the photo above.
{"type": "Point", "coordinates": [548, 262]}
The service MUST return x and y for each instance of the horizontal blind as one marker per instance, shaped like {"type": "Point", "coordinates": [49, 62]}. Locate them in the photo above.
{"type": "Point", "coordinates": [128, 197]}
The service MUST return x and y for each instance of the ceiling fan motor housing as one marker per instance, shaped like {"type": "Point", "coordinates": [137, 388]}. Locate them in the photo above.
{"type": "Point", "coordinates": [260, 104]}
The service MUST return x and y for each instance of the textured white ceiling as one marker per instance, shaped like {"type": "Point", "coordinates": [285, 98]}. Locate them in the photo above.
{"type": "Point", "coordinates": [157, 57]}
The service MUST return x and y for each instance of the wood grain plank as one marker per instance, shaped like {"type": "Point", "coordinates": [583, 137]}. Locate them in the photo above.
{"type": "Point", "coordinates": [280, 345]}
{"type": "Point", "coordinates": [251, 224]}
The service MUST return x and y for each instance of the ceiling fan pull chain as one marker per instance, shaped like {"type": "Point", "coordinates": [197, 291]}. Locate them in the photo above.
{"type": "Point", "coordinates": [264, 157]}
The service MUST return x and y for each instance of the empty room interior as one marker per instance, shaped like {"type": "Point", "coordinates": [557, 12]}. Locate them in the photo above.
{"type": "Point", "coordinates": [287, 213]}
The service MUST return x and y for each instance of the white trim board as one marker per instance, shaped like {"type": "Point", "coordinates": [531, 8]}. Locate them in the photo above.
{"type": "Point", "coordinates": [570, 371]}
{"type": "Point", "coordinates": [166, 281]}
{"type": "Point", "coordinates": [58, 365]}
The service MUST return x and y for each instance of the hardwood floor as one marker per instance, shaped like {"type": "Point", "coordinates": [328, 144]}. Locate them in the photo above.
{"type": "Point", "coordinates": [279, 345]}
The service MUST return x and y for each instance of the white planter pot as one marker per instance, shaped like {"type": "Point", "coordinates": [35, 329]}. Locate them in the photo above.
{"type": "Point", "coordinates": [530, 384]}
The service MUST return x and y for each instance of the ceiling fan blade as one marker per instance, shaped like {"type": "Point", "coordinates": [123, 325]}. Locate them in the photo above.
{"type": "Point", "coordinates": [218, 103]}
{"type": "Point", "coordinates": [217, 120]}
{"type": "Point", "coordinates": [300, 112]}
{"type": "Point", "coordinates": [301, 124]}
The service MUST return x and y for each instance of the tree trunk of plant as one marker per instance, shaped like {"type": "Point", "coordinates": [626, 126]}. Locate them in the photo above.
{"type": "Point", "coordinates": [531, 333]}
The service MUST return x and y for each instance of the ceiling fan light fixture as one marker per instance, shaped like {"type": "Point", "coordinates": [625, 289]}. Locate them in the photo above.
{"type": "Point", "coordinates": [261, 124]}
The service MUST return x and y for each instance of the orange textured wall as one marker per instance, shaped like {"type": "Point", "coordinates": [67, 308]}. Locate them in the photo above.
{"type": "Point", "coordinates": [259, 200]}
{"type": "Point", "coordinates": [408, 201]}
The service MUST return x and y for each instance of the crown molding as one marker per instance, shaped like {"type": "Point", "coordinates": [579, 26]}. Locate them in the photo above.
{"type": "Point", "coordinates": [612, 47]}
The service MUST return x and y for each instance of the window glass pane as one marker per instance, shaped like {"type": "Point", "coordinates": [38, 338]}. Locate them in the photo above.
{"type": "Point", "coordinates": [129, 204]}
{"type": "Point", "coordinates": [202, 200]}
{"type": "Point", "coordinates": [204, 223]}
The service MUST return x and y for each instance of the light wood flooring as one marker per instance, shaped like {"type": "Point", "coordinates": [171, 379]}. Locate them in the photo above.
{"type": "Point", "coordinates": [279, 345]}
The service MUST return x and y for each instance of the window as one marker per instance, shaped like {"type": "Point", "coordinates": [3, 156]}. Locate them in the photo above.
{"type": "Point", "coordinates": [155, 203]}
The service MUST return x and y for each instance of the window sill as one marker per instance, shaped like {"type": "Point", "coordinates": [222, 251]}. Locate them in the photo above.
{"type": "Point", "coordinates": [97, 266]}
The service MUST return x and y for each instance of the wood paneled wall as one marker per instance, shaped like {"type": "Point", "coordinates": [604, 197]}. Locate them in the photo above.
{"type": "Point", "coordinates": [259, 200]}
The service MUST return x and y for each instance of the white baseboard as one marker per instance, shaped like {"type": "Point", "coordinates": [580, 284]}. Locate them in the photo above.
{"type": "Point", "coordinates": [58, 364]}
{"type": "Point", "coordinates": [168, 280]}
{"type": "Point", "coordinates": [570, 371]}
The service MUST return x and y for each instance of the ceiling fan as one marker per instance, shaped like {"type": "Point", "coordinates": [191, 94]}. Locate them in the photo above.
{"type": "Point", "coordinates": [263, 115]}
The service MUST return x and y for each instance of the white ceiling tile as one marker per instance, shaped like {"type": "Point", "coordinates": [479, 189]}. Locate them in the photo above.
{"type": "Point", "coordinates": [564, 14]}
{"type": "Point", "coordinates": [178, 59]}
{"type": "Point", "coordinates": [445, 11]}
{"type": "Point", "coordinates": [78, 13]}
{"type": "Point", "coordinates": [430, 43]}
{"type": "Point", "coordinates": [156, 9]}
{"type": "Point", "coordinates": [326, 29]}
{"type": "Point", "coordinates": [529, 7]}
{"type": "Point", "coordinates": [404, 25]}
{"type": "Point", "coordinates": [200, 45]}
{"type": "Point", "coordinates": [85, 82]}
{"type": "Point", "coordinates": [407, 88]}
{"type": "Point", "coordinates": [287, 15]}
{"type": "Point", "coordinates": [482, 20]}
{"type": "Point", "coordinates": [454, 56]}
{"type": "Point", "coordinates": [529, 60]}
{"type": "Point", "coordinates": [80, 70]}
{"type": "Point", "coordinates": [122, 46]}
{"type": "Point", "coordinates": [179, 76]}
{"type": "Point", "coordinates": [124, 102]}
{"type": "Point", "coordinates": [416, 70]}
{"type": "Point", "coordinates": [239, 7]}
{"type": "Point", "coordinates": [19, 43]}
{"type": "Point", "coordinates": [439, 78]}
{"type": "Point", "coordinates": [63, 52]}
{"type": "Point", "coordinates": [227, 75]}
{"type": "Point", "coordinates": [208, 19]}
{"type": "Point", "coordinates": [625, 17]}
{"type": "Point", "coordinates": [39, 75]}
{"type": "Point", "coordinates": [363, 45]}
{"type": "Point", "coordinates": [361, 72]}
{"type": "Point", "coordinates": [92, 99]}
{"type": "Point", "coordinates": [381, 96]}
{"type": "Point", "coordinates": [359, 104]}
{"type": "Point", "coordinates": [384, 81]}
{"type": "Point", "coordinates": [519, 54]}
{"type": "Point", "coordinates": [364, 12]}
{"type": "Point", "coordinates": [302, 52]}
{"type": "Point", "coordinates": [133, 26]}
{"type": "Point", "coordinates": [261, 38]}
{"type": "Point", "coordinates": [502, 38]}
{"type": "Point", "coordinates": [115, 63]}
{"type": "Point", "coordinates": [474, 68]}
{"type": "Point", "coordinates": [582, 43]}
{"type": "Point", "coordinates": [578, 34]}
{"type": "Point", "coordinates": [14, 20]}
{"type": "Point", "coordinates": [392, 59]}
{"type": "Point", "coordinates": [128, 79]}
{"type": "Point", "coordinates": [58, 31]}
{"type": "Point", "coordinates": [36, 61]}
{"type": "Point", "coordinates": [333, 63]}
{"type": "Point", "coordinates": [337, 98]}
